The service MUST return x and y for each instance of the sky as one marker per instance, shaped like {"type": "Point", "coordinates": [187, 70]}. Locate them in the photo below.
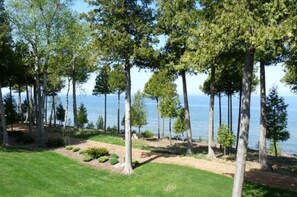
{"type": "Point", "coordinates": [274, 74]}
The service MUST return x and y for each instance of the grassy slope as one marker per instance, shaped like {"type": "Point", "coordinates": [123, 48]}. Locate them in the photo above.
{"type": "Point", "coordinates": [25, 173]}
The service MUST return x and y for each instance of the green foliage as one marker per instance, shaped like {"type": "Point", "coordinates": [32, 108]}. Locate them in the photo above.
{"type": "Point", "coordinates": [102, 81]}
{"type": "Point", "coordinates": [60, 114]}
{"type": "Point", "coordinates": [10, 109]}
{"type": "Point", "coordinates": [113, 129]}
{"type": "Point", "coordinates": [55, 142]}
{"type": "Point", "coordinates": [81, 152]}
{"type": "Point", "coordinates": [276, 115]}
{"type": "Point", "coordinates": [76, 149]}
{"type": "Point", "coordinates": [90, 125]}
{"type": "Point", "coordinates": [96, 152]}
{"type": "Point", "coordinates": [134, 162]}
{"type": "Point", "coordinates": [114, 155]}
{"type": "Point", "coordinates": [103, 159]}
{"type": "Point", "coordinates": [276, 152]}
{"type": "Point", "coordinates": [100, 123]}
{"type": "Point", "coordinates": [87, 158]}
{"type": "Point", "coordinates": [117, 79]}
{"type": "Point", "coordinates": [69, 147]}
{"type": "Point", "coordinates": [147, 134]}
{"type": "Point", "coordinates": [138, 110]}
{"type": "Point", "coordinates": [225, 137]}
{"type": "Point", "coordinates": [82, 116]}
{"type": "Point", "coordinates": [179, 125]}
{"type": "Point", "coordinates": [199, 140]}
{"type": "Point", "coordinates": [113, 160]}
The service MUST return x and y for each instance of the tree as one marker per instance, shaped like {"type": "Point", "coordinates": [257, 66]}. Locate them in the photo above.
{"type": "Point", "coordinates": [138, 111]}
{"type": "Point", "coordinates": [179, 125]}
{"type": "Point", "coordinates": [102, 86]}
{"type": "Point", "coordinates": [123, 35]}
{"type": "Point", "coordinates": [10, 110]}
{"type": "Point", "coordinates": [82, 116]}
{"type": "Point", "coordinates": [225, 137]}
{"type": "Point", "coordinates": [117, 84]}
{"type": "Point", "coordinates": [60, 113]}
{"type": "Point", "coordinates": [276, 114]}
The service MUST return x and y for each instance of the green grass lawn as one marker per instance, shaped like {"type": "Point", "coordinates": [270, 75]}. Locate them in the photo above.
{"type": "Point", "coordinates": [28, 173]}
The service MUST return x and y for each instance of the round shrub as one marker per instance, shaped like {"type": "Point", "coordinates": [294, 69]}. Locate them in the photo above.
{"type": "Point", "coordinates": [69, 147]}
{"type": "Point", "coordinates": [87, 158]}
{"type": "Point", "coordinates": [96, 152]}
{"type": "Point", "coordinates": [147, 134]}
{"type": "Point", "coordinates": [103, 159]}
{"type": "Point", "coordinates": [75, 149]}
{"type": "Point", "coordinates": [114, 155]}
{"type": "Point", "coordinates": [134, 162]}
{"type": "Point", "coordinates": [113, 161]}
{"type": "Point", "coordinates": [81, 152]}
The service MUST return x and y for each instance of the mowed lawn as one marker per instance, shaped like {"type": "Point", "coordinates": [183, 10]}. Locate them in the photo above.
{"type": "Point", "coordinates": [29, 173]}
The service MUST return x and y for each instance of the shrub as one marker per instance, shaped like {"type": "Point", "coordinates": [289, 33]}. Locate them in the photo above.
{"type": "Point", "coordinates": [113, 129]}
{"type": "Point", "coordinates": [69, 147]}
{"type": "Point", "coordinates": [147, 134]}
{"type": "Point", "coordinates": [55, 142]}
{"type": "Point", "coordinates": [134, 162]}
{"type": "Point", "coordinates": [81, 152]}
{"type": "Point", "coordinates": [90, 125]}
{"type": "Point", "coordinates": [25, 139]}
{"type": "Point", "coordinates": [225, 137]}
{"type": "Point", "coordinates": [87, 158]}
{"type": "Point", "coordinates": [103, 159]}
{"type": "Point", "coordinates": [114, 155]}
{"type": "Point", "coordinates": [199, 140]}
{"type": "Point", "coordinates": [100, 123]}
{"type": "Point", "coordinates": [75, 149]}
{"type": "Point", "coordinates": [96, 152]}
{"type": "Point", "coordinates": [113, 161]}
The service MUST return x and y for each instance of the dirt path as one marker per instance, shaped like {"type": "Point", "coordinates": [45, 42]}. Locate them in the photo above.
{"type": "Point", "coordinates": [253, 173]}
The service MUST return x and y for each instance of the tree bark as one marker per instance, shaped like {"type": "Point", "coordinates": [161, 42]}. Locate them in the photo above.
{"type": "Point", "coordinates": [128, 142]}
{"type": "Point", "coordinates": [187, 114]}
{"type": "Point", "coordinates": [263, 127]}
{"type": "Point", "coordinates": [169, 131]}
{"type": "Point", "coordinates": [3, 120]}
{"type": "Point", "coordinates": [67, 103]}
{"type": "Point", "coordinates": [163, 128]}
{"type": "Point", "coordinates": [211, 153]}
{"type": "Point", "coordinates": [105, 95]}
{"type": "Point", "coordinates": [75, 124]}
{"type": "Point", "coordinates": [231, 114]}
{"type": "Point", "coordinates": [119, 102]}
{"type": "Point", "coordinates": [45, 110]}
{"type": "Point", "coordinates": [158, 114]}
{"type": "Point", "coordinates": [29, 109]}
{"type": "Point", "coordinates": [54, 108]}
{"type": "Point", "coordinates": [275, 148]}
{"type": "Point", "coordinates": [220, 109]}
{"type": "Point", "coordinates": [51, 114]}
{"type": "Point", "coordinates": [238, 125]}
{"type": "Point", "coordinates": [244, 124]}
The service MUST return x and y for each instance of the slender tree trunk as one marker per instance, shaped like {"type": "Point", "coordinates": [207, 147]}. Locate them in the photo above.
{"type": "Point", "coordinates": [105, 95]}
{"type": "Point", "coordinates": [158, 114]}
{"type": "Point", "coordinates": [3, 120]}
{"type": "Point", "coordinates": [262, 142]}
{"type": "Point", "coordinates": [238, 124]}
{"type": "Point", "coordinates": [39, 103]}
{"type": "Point", "coordinates": [10, 94]}
{"type": "Point", "coordinates": [35, 104]}
{"type": "Point", "coordinates": [54, 108]}
{"type": "Point", "coordinates": [75, 124]}
{"type": "Point", "coordinates": [220, 109]}
{"type": "Point", "coordinates": [67, 103]}
{"type": "Point", "coordinates": [163, 128]}
{"type": "Point", "coordinates": [211, 153]}
{"type": "Point", "coordinates": [187, 114]}
{"type": "Point", "coordinates": [244, 124]}
{"type": "Point", "coordinates": [231, 114]}
{"type": "Point", "coordinates": [139, 129]}
{"type": "Point", "coordinates": [45, 110]}
{"type": "Point", "coordinates": [29, 109]}
{"type": "Point", "coordinates": [119, 102]}
{"type": "Point", "coordinates": [275, 148]}
{"type": "Point", "coordinates": [228, 101]}
{"type": "Point", "coordinates": [52, 111]}
{"type": "Point", "coordinates": [128, 142]}
{"type": "Point", "coordinates": [20, 103]}
{"type": "Point", "coordinates": [169, 131]}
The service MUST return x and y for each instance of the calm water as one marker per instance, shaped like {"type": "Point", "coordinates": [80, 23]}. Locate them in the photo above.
{"type": "Point", "coordinates": [199, 106]}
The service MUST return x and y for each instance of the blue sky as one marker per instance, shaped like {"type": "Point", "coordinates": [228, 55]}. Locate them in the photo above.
{"type": "Point", "coordinates": [273, 74]}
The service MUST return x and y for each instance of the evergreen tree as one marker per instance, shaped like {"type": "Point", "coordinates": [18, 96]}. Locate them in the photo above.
{"type": "Point", "coordinates": [60, 113]}
{"type": "Point", "coordinates": [179, 125]}
{"type": "Point", "coordinates": [276, 114]}
{"type": "Point", "coordinates": [138, 111]}
{"type": "Point", "coordinates": [10, 110]}
{"type": "Point", "coordinates": [82, 116]}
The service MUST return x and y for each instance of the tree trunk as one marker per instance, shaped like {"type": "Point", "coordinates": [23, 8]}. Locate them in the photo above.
{"type": "Point", "coordinates": [45, 110]}
{"type": "Point", "coordinates": [105, 95]}
{"type": "Point", "coordinates": [3, 120]}
{"type": "Point", "coordinates": [163, 128]}
{"type": "Point", "coordinates": [231, 115]}
{"type": "Point", "coordinates": [275, 148]}
{"type": "Point", "coordinates": [139, 129]}
{"type": "Point", "coordinates": [238, 125]}
{"type": "Point", "coordinates": [228, 101]}
{"type": "Point", "coordinates": [54, 108]}
{"type": "Point", "coordinates": [75, 124]}
{"type": "Point", "coordinates": [158, 114]}
{"type": "Point", "coordinates": [39, 103]}
{"type": "Point", "coordinates": [20, 104]}
{"type": "Point", "coordinates": [220, 109]}
{"type": "Point", "coordinates": [10, 94]}
{"type": "Point", "coordinates": [211, 153]}
{"type": "Point", "coordinates": [244, 124]}
{"type": "Point", "coordinates": [29, 109]}
{"type": "Point", "coordinates": [128, 142]}
{"type": "Point", "coordinates": [169, 131]}
{"type": "Point", "coordinates": [119, 102]}
{"type": "Point", "coordinates": [187, 114]}
{"type": "Point", "coordinates": [262, 141]}
{"type": "Point", "coordinates": [67, 103]}
{"type": "Point", "coordinates": [51, 114]}
{"type": "Point", "coordinates": [35, 104]}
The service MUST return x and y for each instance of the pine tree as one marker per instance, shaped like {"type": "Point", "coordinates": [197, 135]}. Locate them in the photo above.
{"type": "Point", "coordinates": [82, 116]}
{"type": "Point", "coordinates": [60, 113]}
{"type": "Point", "coordinates": [138, 111]}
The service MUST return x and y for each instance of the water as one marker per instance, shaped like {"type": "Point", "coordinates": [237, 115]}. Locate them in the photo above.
{"type": "Point", "coordinates": [199, 109]}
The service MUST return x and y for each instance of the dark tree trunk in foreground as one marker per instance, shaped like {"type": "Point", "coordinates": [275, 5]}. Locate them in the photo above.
{"type": "Point", "coordinates": [262, 141]}
{"type": "Point", "coordinates": [244, 124]}
{"type": "Point", "coordinates": [187, 114]}
{"type": "Point", "coordinates": [128, 143]}
{"type": "Point", "coordinates": [220, 109]}
{"type": "Point", "coordinates": [3, 120]}
{"type": "Point", "coordinates": [211, 153]}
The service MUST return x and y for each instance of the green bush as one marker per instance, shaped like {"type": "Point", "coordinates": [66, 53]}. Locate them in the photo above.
{"type": "Point", "coordinates": [69, 147]}
{"type": "Point", "coordinates": [103, 159]}
{"type": "Point", "coordinates": [96, 152]}
{"type": "Point", "coordinates": [81, 152]}
{"type": "Point", "coordinates": [225, 137]}
{"type": "Point", "coordinates": [114, 155]}
{"type": "Point", "coordinates": [199, 140]}
{"type": "Point", "coordinates": [87, 158]}
{"type": "Point", "coordinates": [134, 162]}
{"type": "Point", "coordinates": [55, 143]}
{"type": "Point", "coordinates": [75, 149]}
{"type": "Point", "coordinates": [113, 161]}
{"type": "Point", "coordinates": [147, 134]}
{"type": "Point", "coordinates": [113, 129]}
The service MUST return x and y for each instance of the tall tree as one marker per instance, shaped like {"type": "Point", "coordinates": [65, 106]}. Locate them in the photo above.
{"type": "Point", "coordinates": [138, 111]}
{"type": "Point", "coordinates": [102, 86]}
{"type": "Point", "coordinates": [117, 84]}
{"type": "Point", "coordinates": [174, 20]}
{"type": "Point", "coordinates": [123, 34]}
